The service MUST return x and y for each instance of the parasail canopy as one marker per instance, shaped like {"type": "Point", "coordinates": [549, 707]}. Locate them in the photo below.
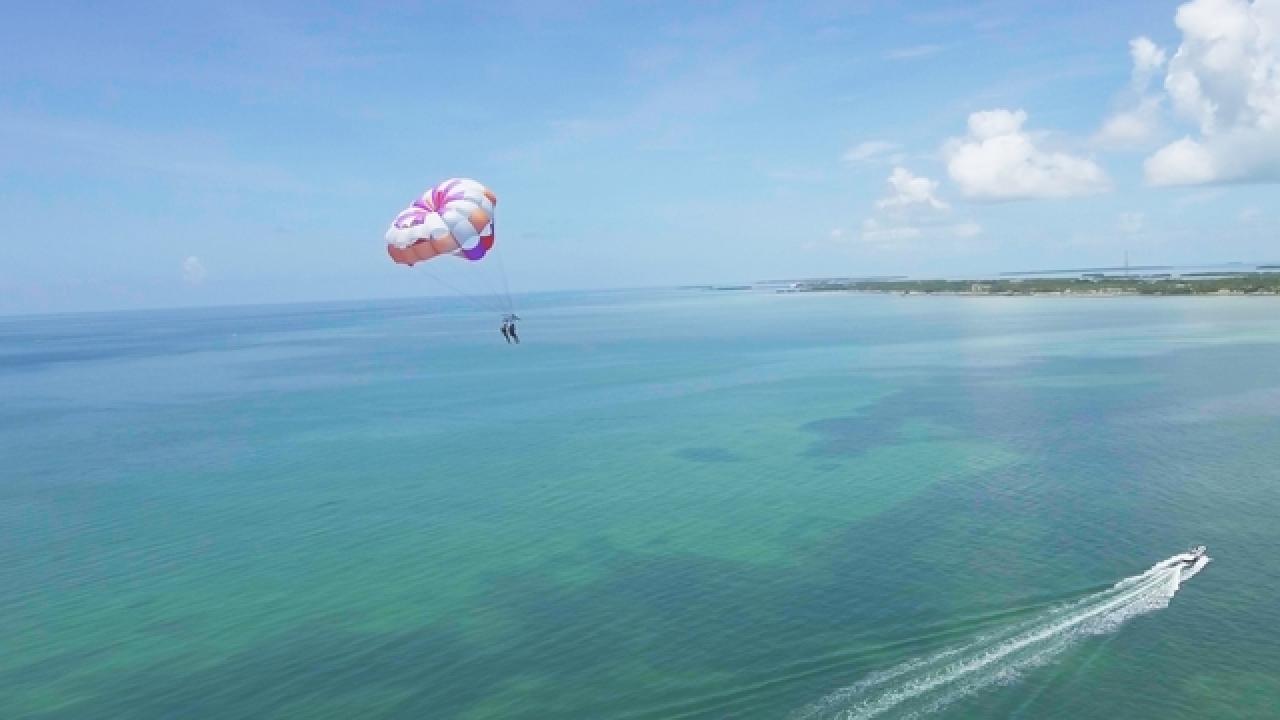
{"type": "Point", "coordinates": [453, 218]}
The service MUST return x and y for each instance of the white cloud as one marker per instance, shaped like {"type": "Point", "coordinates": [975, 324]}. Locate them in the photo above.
{"type": "Point", "coordinates": [994, 123]}
{"type": "Point", "coordinates": [906, 191]}
{"type": "Point", "coordinates": [1183, 162]}
{"type": "Point", "coordinates": [1148, 58]}
{"type": "Point", "coordinates": [869, 150]}
{"type": "Point", "coordinates": [1223, 74]}
{"type": "Point", "coordinates": [1137, 125]}
{"type": "Point", "coordinates": [1225, 78]}
{"type": "Point", "coordinates": [193, 271]}
{"type": "Point", "coordinates": [1132, 128]}
{"type": "Point", "coordinates": [912, 211]}
{"type": "Point", "coordinates": [1131, 223]}
{"type": "Point", "coordinates": [1000, 161]}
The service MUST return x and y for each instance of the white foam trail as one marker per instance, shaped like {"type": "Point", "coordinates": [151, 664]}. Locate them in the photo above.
{"type": "Point", "coordinates": [925, 685]}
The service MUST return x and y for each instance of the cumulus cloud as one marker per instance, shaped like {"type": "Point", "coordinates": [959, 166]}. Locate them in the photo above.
{"type": "Point", "coordinates": [193, 272]}
{"type": "Point", "coordinates": [1132, 127]}
{"type": "Point", "coordinates": [869, 150]}
{"type": "Point", "coordinates": [1137, 124]}
{"type": "Point", "coordinates": [907, 191]}
{"type": "Point", "coordinates": [999, 160]}
{"type": "Point", "coordinates": [1224, 78]}
{"type": "Point", "coordinates": [1148, 58]}
{"type": "Point", "coordinates": [1182, 162]}
{"type": "Point", "coordinates": [910, 211]}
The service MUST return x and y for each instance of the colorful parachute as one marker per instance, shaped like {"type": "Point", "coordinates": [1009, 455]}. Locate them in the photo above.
{"type": "Point", "coordinates": [452, 218]}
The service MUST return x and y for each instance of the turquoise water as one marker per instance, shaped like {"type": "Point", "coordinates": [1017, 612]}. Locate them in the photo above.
{"type": "Point", "coordinates": [662, 505]}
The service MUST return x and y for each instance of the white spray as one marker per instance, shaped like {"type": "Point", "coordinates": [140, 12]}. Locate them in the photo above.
{"type": "Point", "coordinates": [924, 685]}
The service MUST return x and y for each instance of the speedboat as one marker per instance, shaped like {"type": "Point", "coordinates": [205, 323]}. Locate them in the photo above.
{"type": "Point", "coordinates": [1191, 561]}
{"type": "Point", "coordinates": [1188, 558]}
{"type": "Point", "coordinates": [1191, 556]}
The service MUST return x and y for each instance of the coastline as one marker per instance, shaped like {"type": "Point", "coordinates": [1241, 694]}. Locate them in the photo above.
{"type": "Point", "coordinates": [1099, 294]}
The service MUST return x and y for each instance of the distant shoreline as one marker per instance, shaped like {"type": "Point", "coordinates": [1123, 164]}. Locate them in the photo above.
{"type": "Point", "coordinates": [1031, 294]}
{"type": "Point", "coordinates": [1265, 284]}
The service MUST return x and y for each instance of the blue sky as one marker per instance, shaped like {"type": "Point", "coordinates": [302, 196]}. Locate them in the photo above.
{"type": "Point", "coordinates": [173, 154]}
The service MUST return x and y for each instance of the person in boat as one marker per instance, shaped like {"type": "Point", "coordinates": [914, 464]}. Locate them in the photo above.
{"type": "Point", "coordinates": [511, 331]}
{"type": "Point", "coordinates": [506, 331]}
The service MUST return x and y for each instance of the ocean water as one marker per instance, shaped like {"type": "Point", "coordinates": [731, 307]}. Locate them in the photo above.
{"type": "Point", "coordinates": [664, 504]}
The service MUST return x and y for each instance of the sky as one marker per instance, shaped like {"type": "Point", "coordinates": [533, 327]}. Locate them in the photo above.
{"type": "Point", "coordinates": [172, 154]}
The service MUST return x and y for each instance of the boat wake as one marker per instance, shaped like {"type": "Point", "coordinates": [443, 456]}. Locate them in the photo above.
{"type": "Point", "coordinates": [922, 686]}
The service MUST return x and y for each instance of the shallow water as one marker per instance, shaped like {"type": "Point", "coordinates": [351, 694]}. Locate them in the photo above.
{"type": "Point", "coordinates": [662, 505]}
